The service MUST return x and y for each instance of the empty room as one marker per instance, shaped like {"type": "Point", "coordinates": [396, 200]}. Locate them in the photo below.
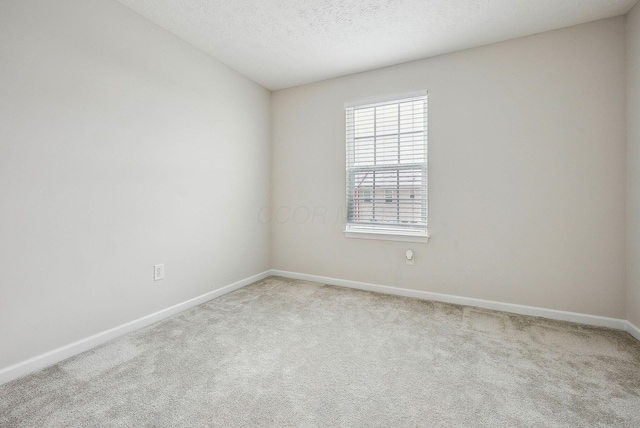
{"type": "Point", "coordinates": [318, 213]}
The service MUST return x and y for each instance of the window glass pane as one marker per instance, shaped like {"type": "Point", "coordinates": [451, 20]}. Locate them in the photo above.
{"type": "Point", "coordinates": [387, 150]}
{"type": "Point", "coordinates": [412, 148]}
{"type": "Point", "coordinates": [387, 119]}
{"type": "Point", "coordinates": [412, 116]}
{"type": "Point", "coordinates": [363, 152]}
{"type": "Point", "coordinates": [364, 122]}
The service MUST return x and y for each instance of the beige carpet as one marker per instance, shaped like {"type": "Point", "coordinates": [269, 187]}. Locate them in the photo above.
{"type": "Point", "coordinates": [290, 353]}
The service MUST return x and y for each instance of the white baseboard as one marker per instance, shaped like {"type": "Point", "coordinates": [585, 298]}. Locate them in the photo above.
{"type": "Point", "coordinates": [633, 330]}
{"type": "Point", "coordinates": [23, 368]}
{"type": "Point", "coordinates": [615, 323]}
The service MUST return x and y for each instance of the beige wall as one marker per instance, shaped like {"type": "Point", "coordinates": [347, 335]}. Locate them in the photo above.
{"type": "Point", "coordinates": [633, 165]}
{"type": "Point", "coordinates": [120, 147]}
{"type": "Point", "coordinates": [526, 179]}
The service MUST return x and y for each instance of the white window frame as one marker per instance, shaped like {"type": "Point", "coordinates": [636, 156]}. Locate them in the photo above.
{"type": "Point", "coordinates": [385, 231]}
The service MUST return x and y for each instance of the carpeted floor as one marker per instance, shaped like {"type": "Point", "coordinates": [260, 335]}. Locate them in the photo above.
{"type": "Point", "coordinates": [291, 353]}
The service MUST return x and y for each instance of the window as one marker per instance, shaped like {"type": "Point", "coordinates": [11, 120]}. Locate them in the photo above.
{"type": "Point", "coordinates": [387, 168]}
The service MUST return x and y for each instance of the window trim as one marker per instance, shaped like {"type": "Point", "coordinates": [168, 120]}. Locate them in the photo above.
{"type": "Point", "coordinates": [386, 236]}
{"type": "Point", "coordinates": [389, 232]}
{"type": "Point", "coordinates": [376, 100]}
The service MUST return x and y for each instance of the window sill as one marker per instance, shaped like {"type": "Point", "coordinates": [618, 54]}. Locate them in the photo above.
{"type": "Point", "coordinates": [386, 236]}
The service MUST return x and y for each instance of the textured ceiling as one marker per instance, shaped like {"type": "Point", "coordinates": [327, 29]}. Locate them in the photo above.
{"type": "Point", "coordinates": [283, 43]}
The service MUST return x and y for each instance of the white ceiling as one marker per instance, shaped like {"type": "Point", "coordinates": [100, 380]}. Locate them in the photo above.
{"type": "Point", "coordinates": [283, 43]}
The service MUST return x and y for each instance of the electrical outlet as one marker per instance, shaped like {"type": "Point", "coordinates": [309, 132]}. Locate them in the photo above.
{"type": "Point", "coordinates": [410, 257]}
{"type": "Point", "coordinates": [158, 272]}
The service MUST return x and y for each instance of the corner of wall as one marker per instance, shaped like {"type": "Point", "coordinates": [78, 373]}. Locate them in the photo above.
{"type": "Point", "coordinates": [632, 271]}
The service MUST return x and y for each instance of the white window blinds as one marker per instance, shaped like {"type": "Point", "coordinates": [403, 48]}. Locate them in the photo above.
{"type": "Point", "coordinates": [387, 166]}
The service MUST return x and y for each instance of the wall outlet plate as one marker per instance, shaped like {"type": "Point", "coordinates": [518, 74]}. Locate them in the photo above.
{"type": "Point", "coordinates": [158, 272]}
{"type": "Point", "coordinates": [410, 256]}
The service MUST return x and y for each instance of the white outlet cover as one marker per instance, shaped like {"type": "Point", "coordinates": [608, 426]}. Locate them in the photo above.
{"type": "Point", "coordinates": [158, 272]}
{"type": "Point", "coordinates": [410, 257]}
